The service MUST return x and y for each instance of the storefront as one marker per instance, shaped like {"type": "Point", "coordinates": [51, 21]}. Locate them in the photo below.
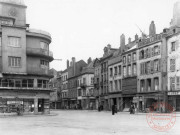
{"type": "Point", "coordinates": [116, 99]}
{"type": "Point", "coordinates": [174, 100]}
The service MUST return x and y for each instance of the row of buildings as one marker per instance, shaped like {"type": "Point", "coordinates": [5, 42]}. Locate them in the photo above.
{"type": "Point", "coordinates": [143, 71]}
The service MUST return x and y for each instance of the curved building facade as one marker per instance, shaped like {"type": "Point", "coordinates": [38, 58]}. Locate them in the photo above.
{"type": "Point", "coordinates": [24, 61]}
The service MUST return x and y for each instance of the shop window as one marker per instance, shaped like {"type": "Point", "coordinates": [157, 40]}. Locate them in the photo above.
{"type": "Point", "coordinates": [156, 84]}
{"type": "Point", "coordinates": [172, 65]}
{"type": "Point", "coordinates": [172, 83]}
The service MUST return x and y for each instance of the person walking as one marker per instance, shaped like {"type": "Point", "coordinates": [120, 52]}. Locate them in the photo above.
{"type": "Point", "coordinates": [113, 109]}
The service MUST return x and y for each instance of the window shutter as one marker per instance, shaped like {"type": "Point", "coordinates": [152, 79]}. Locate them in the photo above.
{"type": "Point", "coordinates": [152, 66]}
{"type": "Point", "coordinates": [145, 54]}
{"type": "Point", "coordinates": [152, 51]}
{"type": "Point", "coordinates": [159, 66]}
{"type": "Point", "coordinates": [177, 44]}
{"type": "Point", "coordinates": [159, 49]}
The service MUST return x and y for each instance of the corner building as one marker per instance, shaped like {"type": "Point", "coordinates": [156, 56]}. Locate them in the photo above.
{"type": "Point", "coordinates": [24, 61]}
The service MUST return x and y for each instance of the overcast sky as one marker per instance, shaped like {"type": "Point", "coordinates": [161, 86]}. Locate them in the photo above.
{"type": "Point", "coordinates": [82, 28]}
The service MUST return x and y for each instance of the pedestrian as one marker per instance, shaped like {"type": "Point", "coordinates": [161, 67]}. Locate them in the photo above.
{"type": "Point", "coordinates": [113, 109]}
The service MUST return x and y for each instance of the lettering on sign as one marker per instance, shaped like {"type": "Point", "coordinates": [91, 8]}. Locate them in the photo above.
{"type": "Point", "coordinates": [174, 93]}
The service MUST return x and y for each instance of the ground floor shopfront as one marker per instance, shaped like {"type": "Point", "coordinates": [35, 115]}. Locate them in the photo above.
{"type": "Point", "coordinates": [104, 103]}
{"type": "Point", "coordinates": [147, 101]}
{"type": "Point", "coordinates": [117, 100]}
{"type": "Point", "coordinates": [174, 100]}
{"type": "Point", "coordinates": [27, 101]}
{"type": "Point", "coordinates": [86, 103]}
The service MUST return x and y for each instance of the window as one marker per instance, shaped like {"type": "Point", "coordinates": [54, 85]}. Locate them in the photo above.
{"type": "Point", "coordinates": [149, 84]}
{"type": "Point", "coordinates": [111, 71]}
{"type": "Point", "coordinates": [156, 50]}
{"type": "Point", "coordinates": [142, 84]}
{"type": "Point", "coordinates": [119, 70]}
{"type": "Point", "coordinates": [178, 82]}
{"type": "Point", "coordinates": [156, 65]}
{"type": "Point", "coordinates": [124, 71]}
{"type": "Point", "coordinates": [44, 45]}
{"type": "Point", "coordinates": [84, 80]}
{"type": "Point", "coordinates": [92, 80]}
{"type": "Point", "coordinates": [116, 85]}
{"type": "Point", "coordinates": [14, 61]}
{"type": "Point", "coordinates": [115, 70]}
{"type": "Point", "coordinates": [129, 70]}
{"type": "Point", "coordinates": [172, 83]}
{"type": "Point", "coordinates": [129, 58]}
{"type": "Point", "coordinates": [148, 64]}
{"type": "Point", "coordinates": [120, 84]}
{"type": "Point", "coordinates": [134, 56]}
{"type": "Point", "coordinates": [45, 63]}
{"type": "Point", "coordinates": [172, 65]}
{"type": "Point", "coordinates": [124, 59]}
{"type": "Point", "coordinates": [173, 45]}
{"type": "Point", "coordinates": [111, 86]}
{"type": "Point", "coordinates": [134, 69]}
{"type": "Point", "coordinates": [14, 41]}
{"type": "Point", "coordinates": [0, 41]}
{"type": "Point", "coordinates": [42, 83]}
{"type": "Point", "coordinates": [79, 92]}
{"type": "Point", "coordinates": [142, 54]}
{"type": "Point", "coordinates": [156, 84]}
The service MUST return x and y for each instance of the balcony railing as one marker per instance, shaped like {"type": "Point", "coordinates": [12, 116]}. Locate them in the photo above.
{"type": "Point", "coordinates": [39, 71]}
{"type": "Point", "coordinates": [83, 85]}
{"type": "Point", "coordinates": [23, 86]}
{"type": "Point", "coordinates": [39, 52]}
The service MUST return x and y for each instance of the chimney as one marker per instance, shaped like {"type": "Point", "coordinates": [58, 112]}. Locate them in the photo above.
{"type": "Point", "coordinates": [122, 42]}
{"type": "Point", "coordinates": [67, 63]}
{"type": "Point", "coordinates": [136, 37]}
{"type": "Point", "coordinates": [129, 40]}
{"type": "Point", "coordinates": [73, 65]}
{"type": "Point", "coordinates": [109, 46]}
{"type": "Point", "coordinates": [89, 60]}
{"type": "Point", "coordinates": [176, 14]}
{"type": "Point", "coordinates": [152, 29]}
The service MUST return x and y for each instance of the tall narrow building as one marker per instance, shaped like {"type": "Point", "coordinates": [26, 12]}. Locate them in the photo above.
{"type": "Point", "coordinates": [24, 61]}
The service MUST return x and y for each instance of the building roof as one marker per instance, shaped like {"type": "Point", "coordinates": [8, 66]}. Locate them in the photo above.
{"type": "Point", "coordinates": [17, 2]}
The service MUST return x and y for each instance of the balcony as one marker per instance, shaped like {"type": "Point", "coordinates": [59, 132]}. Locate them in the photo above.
{"type": "Point", "coordinates": [83, 85]}
{"type": "Point", "coordinates": [40, 72]}
{"type": "Point", "coordinates": [39, 53]}
{"type": "Point", "coordinates": [22, 86]}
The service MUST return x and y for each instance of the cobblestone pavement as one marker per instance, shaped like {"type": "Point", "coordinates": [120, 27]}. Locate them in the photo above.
{"type": "Point", "coordinates": [81, 123]}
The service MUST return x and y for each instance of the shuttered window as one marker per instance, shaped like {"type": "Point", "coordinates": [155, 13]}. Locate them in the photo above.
{"type": "Point", "coordinates": [172, 83]}
{"type": "Point", "coordinates": [172, 65]}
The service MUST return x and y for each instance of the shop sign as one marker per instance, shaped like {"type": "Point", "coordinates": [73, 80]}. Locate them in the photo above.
{"type": "Point", "coordinates": [173, 93]}
{"type": "Point", "coordinates": [14, 102]}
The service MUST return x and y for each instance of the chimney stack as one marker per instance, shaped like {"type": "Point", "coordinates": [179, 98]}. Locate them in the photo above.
{"type": "Point", "coordinates": [109, 46]}
{"type": "Point", "coordinates": [73, 65]}
{"type": "Point", "coordinates": [152, 29]}
{"type": "Point", "coordinates": [67, 63]}
{"type": "Point", "coordinates": [136, 37]}
{"type": "Point", "coordinates": [122, 43]}
{"type": "Point", "coordinates": [89, 60]}
{"type": "Point", "coordinates": [129, 40]}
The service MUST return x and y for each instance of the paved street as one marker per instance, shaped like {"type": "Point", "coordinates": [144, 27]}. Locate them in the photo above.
{"type": "Point", "coordinates": [81, 123]}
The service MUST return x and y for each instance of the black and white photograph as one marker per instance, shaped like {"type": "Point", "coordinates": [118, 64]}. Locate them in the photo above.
{"type": "Point", "coordinates": [89, 67]}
